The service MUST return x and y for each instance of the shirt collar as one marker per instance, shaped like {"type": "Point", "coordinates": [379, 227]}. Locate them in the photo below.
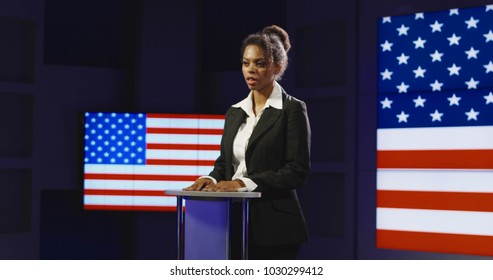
{"type": "Point", "coordinates": [274, 100]}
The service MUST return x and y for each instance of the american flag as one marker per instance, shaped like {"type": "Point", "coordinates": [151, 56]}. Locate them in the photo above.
{"type": "Point", "coordinates": [435, 132]}
{"type": "Point", "coordinates": [130, 159]}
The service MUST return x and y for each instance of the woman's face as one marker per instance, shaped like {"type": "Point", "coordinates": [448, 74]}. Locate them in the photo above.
{"type": "Point", "coordinates": [259, 71]}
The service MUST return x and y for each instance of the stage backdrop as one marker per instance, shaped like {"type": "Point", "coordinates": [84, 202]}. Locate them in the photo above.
{"type": "Point", "coordinates": [435, 132]}
{"type": "Point", "coordinates": [131, 158]}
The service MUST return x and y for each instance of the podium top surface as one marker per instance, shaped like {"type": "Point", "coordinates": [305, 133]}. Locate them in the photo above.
{"type": "Point", "coordinates": [213, 194]}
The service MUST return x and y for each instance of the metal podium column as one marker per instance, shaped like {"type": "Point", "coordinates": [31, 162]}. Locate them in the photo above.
{"type": "Point", "coordinates": [180, 228]}
{"type": "Point", "coordinates": [244, 237]}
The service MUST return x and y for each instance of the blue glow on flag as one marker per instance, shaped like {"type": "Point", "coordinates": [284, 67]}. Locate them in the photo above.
{"type": "Point", "coordinates": [115, 138]}
{"type": "Point", "coordinates": [436, 69]}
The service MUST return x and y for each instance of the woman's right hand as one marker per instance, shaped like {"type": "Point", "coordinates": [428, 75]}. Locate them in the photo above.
{"type": "Point", "coordinates": [199, 184]}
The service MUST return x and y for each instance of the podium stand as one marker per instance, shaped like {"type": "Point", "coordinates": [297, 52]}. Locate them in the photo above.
{"type": "Point", "coordinates": [205, 226]}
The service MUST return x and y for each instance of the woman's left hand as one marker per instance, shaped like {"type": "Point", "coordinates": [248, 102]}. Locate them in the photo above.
{"type": "Point", "coordinates": [223, 186]}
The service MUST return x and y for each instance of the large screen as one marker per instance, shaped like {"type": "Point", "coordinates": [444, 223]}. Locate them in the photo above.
{"type": "Point", "coordinates": [435, 132]}
{"type": "Point", "coordinates": [131, 158]}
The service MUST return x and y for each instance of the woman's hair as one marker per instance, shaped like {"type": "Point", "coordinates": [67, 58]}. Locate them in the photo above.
{"type": "Point", "coordinates": [274, 41]}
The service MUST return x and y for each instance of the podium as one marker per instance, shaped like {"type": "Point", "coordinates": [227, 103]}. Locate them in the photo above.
{"type": "Point", "coordinates": [204, 227]}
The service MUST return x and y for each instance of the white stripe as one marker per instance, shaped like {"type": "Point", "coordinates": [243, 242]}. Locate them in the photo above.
{"type": "Point", "coordinates": [435, 180]}
{"type": "Point", "coordinates": [135, 185]}
{"type": "Point", "coordinates": [153, 138]}
{"type": "Point", "coordinates": [123, 200]}
{"type": "Point", "coordinates": [185, 123]}
{"type": "Point", "coordinates": [454, 222]}
{"type": "Point", "coordinates": [441, 138]}
{"type": "Point", "coordinates": [182, 154]}
{"type": "Point", "coordinates": [147, 169]}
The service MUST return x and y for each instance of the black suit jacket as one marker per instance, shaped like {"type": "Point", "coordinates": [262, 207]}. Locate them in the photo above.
{"type": "Point", "coordinates": [278, 161]}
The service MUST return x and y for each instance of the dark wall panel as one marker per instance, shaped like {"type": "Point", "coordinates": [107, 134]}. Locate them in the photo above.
{"type": "Point", "coordinates": [321, 55]}
{"type": "Point", "coordinates": [15, 200]}
{"type": "Point", "coordinates": [224, 24]}
{"type": "Point", "coordinates": [166, 70]}
{"type": "Point", "coordinates": [17, 50]}
{"type": "Point", "coordinates": [327, 119]}
{"type": "Point", "coordinates": [69, 232]}
{"type": "Point", "coordinates": [323, 201]}
{"type": "Point", "coordinates": [91, 32]}
{"type": "Point", "coordinates": [16, 124]}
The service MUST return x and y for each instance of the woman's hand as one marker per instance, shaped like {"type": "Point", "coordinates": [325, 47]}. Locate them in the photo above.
{"type": "Point", "coordinates": [199, 184]}
{"type": "Point", "coordinates": [224, 186]}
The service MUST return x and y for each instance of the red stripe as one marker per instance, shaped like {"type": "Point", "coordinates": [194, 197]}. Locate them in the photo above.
{"type": "Point", "coordinates": [462, 159]}
{"type": "Point", "coordinates": [435, 242]}
{"type": "Point", "coordinates": [198, 147]}
{"type": "Point", "coordinates": [186, 116]}
{"type": "Point", "coordinates": [142, 177]}
{"type": "Point", "coordinates": [125, 192]}
{"type": "Point", "coordinates": [199, 131]}
{"type": "Point", "coordinates": [436, 200]}
{"type": "Point", "coordinates": [191, 162]}
{"type": "Point", "coordinates": [130, 208]}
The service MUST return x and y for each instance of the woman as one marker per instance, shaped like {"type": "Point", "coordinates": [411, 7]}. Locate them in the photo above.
{"type": "Point", "coordinates": [266, 148]}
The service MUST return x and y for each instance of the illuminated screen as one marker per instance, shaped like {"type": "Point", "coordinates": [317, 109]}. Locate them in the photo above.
{"type": "Point", "coordinates": [435, 132]}
{"type": "Point", "coordinates": [130, 159]}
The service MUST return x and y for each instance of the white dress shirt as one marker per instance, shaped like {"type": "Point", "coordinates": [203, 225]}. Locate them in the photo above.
{"type": "Point", "coordinates": [245, 130]}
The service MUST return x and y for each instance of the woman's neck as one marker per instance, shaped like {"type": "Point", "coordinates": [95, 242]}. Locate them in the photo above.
{"type": "Point", "coordinates": [260, 98]}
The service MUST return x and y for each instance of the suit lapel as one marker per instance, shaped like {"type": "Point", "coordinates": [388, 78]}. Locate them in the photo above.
{"type": "Point", "coordinates": [268, 118]}
{"type": "Point", "coordinates": [237, 117]}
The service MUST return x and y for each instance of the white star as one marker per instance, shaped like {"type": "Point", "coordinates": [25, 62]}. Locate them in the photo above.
{"type": "Point", "coordinates": [386, 75]}
{"type": "Point", "coordinates": [436, 86]}
{"type": "Point", "coordinates": [454, 40]}
{"type": "Point", "coordinates": [489, 67]}
{"type": "Point", "coordinates": [419, 102]}
{"type": "Point", "coordinates": [489, 7]}
{"type": "Point", "coordinates": [454, 70]}
{"type": "Point", "coordinates": [419, 15]}
{"type": "Point", "coordinates": [489, 98]}
{"type": "Point", "coordinates": [472, 115]}
{"type": "Point", "coordinates": [402, 117]}
{"type": "Point", "coordinates": [453, 12]}
{"type": "Point", "coordinates": [472, 84]}
{"type": "Point", "coordinates": [387, 46]}
{"type": "Point", "coordinates": [403, 30]}
{"type": "Point", "coordinates": [472, 53]}
{"type": "Point", "coordinates": [472, 23]}
{"type": "Point", "coordinates": [402, 87]}
{"type": "Point", "coordinates": [419, 72]}
{"type": "Point", "coordinates": [386, 19]}
{"type": "Point", "coordinates": [436, 27]}
{"type": "Point", "coordinates": [488, 36]}
{"type": "Point", "coordinates": [402, 59]}
{"type": "Point", "coordinates": [419, 43]}
{"type": "Point", "coordinates": [454, 100]}
{"type": "Point", "coordinates": [436, 56]}
{"type": "Point", "coordinates": [386, 103]}
{"type": "Point", "coordinates": [436, 116]}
